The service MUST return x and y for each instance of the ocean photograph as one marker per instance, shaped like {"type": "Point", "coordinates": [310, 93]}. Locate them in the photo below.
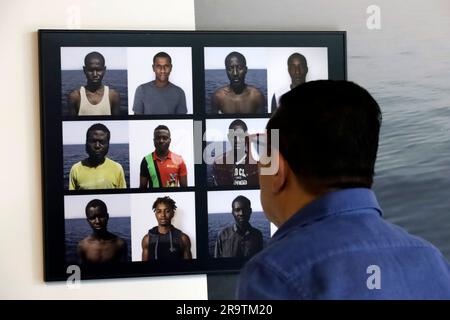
{"type": "Point", "coordinates": [74, 79]}
{"type": "Point", "coordinates": [215, 79]}
{"type": "Point", "coordinates": [72, 153]}
{"type": "Point", "coordinates": [78, 229]}
{"type": "Point", "coordinates": [219, 221]}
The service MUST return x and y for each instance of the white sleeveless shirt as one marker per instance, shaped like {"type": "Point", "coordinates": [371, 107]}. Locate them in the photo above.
{"type": "Point", "coordinates": [103, 108]}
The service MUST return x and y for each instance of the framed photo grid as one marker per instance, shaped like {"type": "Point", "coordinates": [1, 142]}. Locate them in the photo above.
{"type": "Point", "coordinates": [126, 120]}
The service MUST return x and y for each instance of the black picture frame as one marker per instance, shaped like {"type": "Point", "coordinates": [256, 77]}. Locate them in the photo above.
{"type": "Point", "coordinates": [54, 119]}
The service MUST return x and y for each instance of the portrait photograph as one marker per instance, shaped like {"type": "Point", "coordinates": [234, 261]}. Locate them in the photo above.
{"type": "Point", "coordinates": [289, 67]}
{"type": "Point", "coordinates": [94, 81]}
{"type": "Point", "coordinates": [143, 145]}
{"type": "Point", "coordinates": [235, 80]}
{"type": "Point", "coordinates": [225, 211]}
{"type": "Point", "coordinates": [160, 80]}
{"type": "Point", "coordinates": [88, 227]}
{"type": "Point", "coordinates": [180, 226]}
{"type": "Point", "coordinates": [224, 169]}
{"type": "Point", "coordinates": [96, 155]}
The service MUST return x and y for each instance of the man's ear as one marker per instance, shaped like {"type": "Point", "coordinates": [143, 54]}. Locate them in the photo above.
{"type": "Point", "coordinates": [280, 178]}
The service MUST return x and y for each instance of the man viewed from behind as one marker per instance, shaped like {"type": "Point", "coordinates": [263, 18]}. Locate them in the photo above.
{"type": "Point", "coordinates": [332, 242]}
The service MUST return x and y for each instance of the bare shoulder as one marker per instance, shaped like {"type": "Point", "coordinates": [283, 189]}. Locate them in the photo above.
{"type": "Point", "coordinates": [114, 94]}
{"type": "Point", "coordinates": [74, 95]}
{"type": "Point", "coordinates": [84, 242]}
{"type": "Point", "coordinates": [254, 91]}
{"type": "Point", "coordinates": [185, 239]}
{"type": "Point", "coordinates": [120, 242]}
{"type": "Point", "coordinates": [221, 92]}
{"type": "Point", "coordinates": [145, 240]}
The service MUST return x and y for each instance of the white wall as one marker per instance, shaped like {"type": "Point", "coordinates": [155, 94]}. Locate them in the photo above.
{"type": "Point", "coordinates": [21, 246]}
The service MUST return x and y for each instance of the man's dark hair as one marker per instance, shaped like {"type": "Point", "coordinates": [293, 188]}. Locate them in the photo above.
{"type": "Point", "coordinates": [235, 54]}
{"type": "Point", "coordinates": [329, 134]}
{"type": "Point", "coordinates": [167, 201]}
{"type": "Point", "coordinates": [94, 55]}
{"type": "Point", "coordinates": [162, 55]}
{"type": "Point", "coordinates": [244, 200]}
{"type": "Point", "coordinates": [98, 126]}
{"type": "Point", "coordinates": [161, 127]}
{"type": "Point", "coordinates": [300, 56]}
{"type": "Point", "coordinates": [96, 203]}
{"type": "Point", "coordinates": [238, 123]}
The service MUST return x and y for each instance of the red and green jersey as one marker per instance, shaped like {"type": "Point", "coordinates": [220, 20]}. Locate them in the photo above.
{"type": "Point", "coordinates": [163, 173]}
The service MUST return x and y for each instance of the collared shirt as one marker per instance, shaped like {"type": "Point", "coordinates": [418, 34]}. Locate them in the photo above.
{"type": "Point", "coordinates": [230, 243]}
{"type": "Point", "coordinates": [168, 170]}
{"type": "Point", "coordinates": [339, 247]}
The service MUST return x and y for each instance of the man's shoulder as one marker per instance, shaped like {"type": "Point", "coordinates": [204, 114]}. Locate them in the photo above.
{"type": "Point", "coordinates": [253, 90]}
{"type": "Point", "coordinates": [112, 92]}
{"type": "Point", "coordinates": [176, 158]}
{"type": "Point", "coordinates": [148, 155]}
{"type": "Point", "coordinates": [255, 231]}
{"type": "Point", "coordinates": [120, 242]}
{"type": "Point", "coordinates": [175, 87]}
{"type": "Point", "coordinates": [86, 241]}
{"type": "Point", "coordinates": [341, 240]}
{"type": "Point", "coordinates": [75, 93]}
{"type": "Point", "coordinates": [226, 232]}
{"type": "Point", "coordinates": [76, 166]}
{"type": "Point", "coordinates": [111, 163]}
{"type": "Point", "coordinates": [337, 261]}
{"type": "Point", "coordinates": [146, 86]}
{"type": "Point", "coordinates": [222, 91]}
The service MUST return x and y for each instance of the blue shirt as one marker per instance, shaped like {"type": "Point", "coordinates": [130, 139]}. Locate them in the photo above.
{"type": "Point", "coordinates": [339, 247]}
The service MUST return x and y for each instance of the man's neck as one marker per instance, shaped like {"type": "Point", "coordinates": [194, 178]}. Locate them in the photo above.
{"type": "Point", "coordinates": [164, 229]}
{"type": "Point", "coordinates": [238, 89]}
{"type": "Point", "coordinates": [162, 155]}
{"type": "Point", "coordinates": [296, 84]}
{"type": "Point", "coordinates": [102, 234]}
{"type": "Point", "coordinates": [161, 84]}
{"type": "Point", "coordinates": [92, 162]}
{"type": "Point", "coordinates": [242, 227]}
{"type": "Point", "coordinates": [292, 201]}
{"type": "Point", "coordinates": [93, 87]}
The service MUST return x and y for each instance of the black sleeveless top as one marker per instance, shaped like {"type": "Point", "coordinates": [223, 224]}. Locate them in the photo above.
{"type": "Point", "coordinates": [165, 246]}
